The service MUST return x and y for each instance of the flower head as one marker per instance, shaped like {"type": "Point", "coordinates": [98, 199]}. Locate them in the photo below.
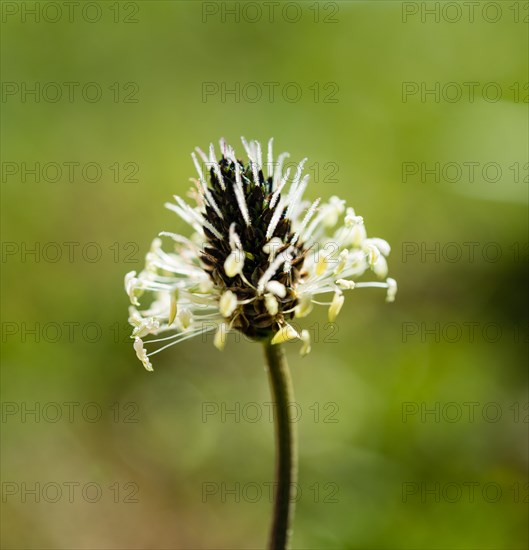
{"type": "Point", "coordinates": [258, 256]}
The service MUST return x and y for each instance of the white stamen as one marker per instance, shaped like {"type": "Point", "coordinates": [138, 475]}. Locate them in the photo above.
{"type": "Point", "coordinates": [314, 224]}
{"type": "Point", "coordinates": [216, 167]}
{"type": "Point", "coordinates": [239, 194]}
{"type": "Point", "coordinates": [279, 188]}
{"type": "Point", "coordinates": [213, 203]}
{"type": "Point", "coordinates": [248, 148]}
{"type": "Point", "coordinates": [295, 201]}
{"type": "Point", "coordinates": [270, 158]}
{"type": "Point", "coordinates": [230, 154]}
{"type": "Point", "coordinates": [288, 264]}
{"type": "Point", "coordinates": [279, 167]}
{"type": "Point", "coordinates": [195, 215]}
{"type": "Point", "coordinates": [185, 216]}
{"type": "Point", "coordinates": [178, 239]}
{"type": "Point", "coordinates": [295, 181]}
{"type": "Point", "coordinates": [276, 216]}
{"type": "Point", "coordinates": [222, 144]}
{"type": "Point", "coordinates": [272, 269]}
{"type": "Point", "coordinates": [203, 156]}
{"type": "Point", "coordinates": [255, 172]}
{"type": "Point", "coordinates": [259, 155]}
{"type": "Point", "coordinates": [235, 241]}
{"type": "Point", "coordinates": [306, 220]}
{"type": "Point", "coordinates": [200, 173]}
{"type": "Point", "coordinates": [181, 338]}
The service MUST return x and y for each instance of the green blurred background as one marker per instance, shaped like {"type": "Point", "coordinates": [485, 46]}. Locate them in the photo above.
{"type": "Point", "coordinates": [377, 471]}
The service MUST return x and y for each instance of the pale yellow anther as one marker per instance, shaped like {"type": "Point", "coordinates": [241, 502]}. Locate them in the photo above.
{"type": "Point", "coordinates": [305, 339]}
{"type": "Point", "coordinates": [352, 219]}
{"type": "Point", "coordinates": [321, 266]}
{"type": "Point", "coordinates": [142, 354]}
{"type": "Point", "coordinates": [345, 284]}
{"type": "Point", "coordinates": [336, 306]}
{"type": "Point", "coordinates": [342, 261]}
{"type": "Point", "coordinates": [234, 263]}
{"type": "Point", "coordinates": [172, 308]}
{"type": "Point", "coordinates": [271, 304]}
{"type": "Point", "coordinates": [358, 235]}
{"type": "Point", "coordinates": [332, 211]}
{"type": "Point", "coordinates": [277, 288]}
{"type": "Point", "coordinates": [272, 246]}
{"type": "Point", "coordinates": [185, 318]}
{"type": "Point", "coordinates": [146, 326]}
{"type": "Point", "coordinates": [227, 303]}
{"type": "Point", "coordinates": [381, 267]}
{"type": "Point", "coordinates": [304, 306]}
{"type": "Point", "coordinates": [219, 340]}
{"type": "Point", "coordinates": [205, 286]}
{"type": "Point", "coordinates": [381, 244]}
{"type": "Point", "coordinates": [285, 333]}
{"type": "Point", "coordinates": [131, 287]}
{"type": "Point", "coordinates": [373, 254]}
{"type": "Point", "coordinates": [392, 289]}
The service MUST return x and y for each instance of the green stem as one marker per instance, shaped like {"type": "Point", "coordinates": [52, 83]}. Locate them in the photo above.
{"type": "Point", "coordinates": [286, 451]}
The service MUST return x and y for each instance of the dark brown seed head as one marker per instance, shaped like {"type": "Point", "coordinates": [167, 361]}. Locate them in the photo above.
{"type": "Point", "coordinates": [254, 318]}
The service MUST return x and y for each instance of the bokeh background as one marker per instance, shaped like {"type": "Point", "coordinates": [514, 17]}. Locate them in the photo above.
{"type": "Point", "coordinates": [137, 462]}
